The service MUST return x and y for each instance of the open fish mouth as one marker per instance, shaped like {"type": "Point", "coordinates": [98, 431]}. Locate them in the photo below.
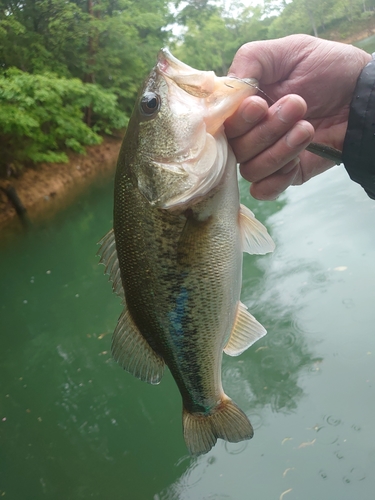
{"type": "Point", "coordinates": [197, 83]}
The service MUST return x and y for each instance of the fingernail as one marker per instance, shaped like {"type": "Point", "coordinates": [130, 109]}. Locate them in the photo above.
{"type": "Point", "coordinates": [297, 136]}
{"type": "Point", "coordinates": [289, 110]}
{"type": "Point", "coordinates": [253, 112]}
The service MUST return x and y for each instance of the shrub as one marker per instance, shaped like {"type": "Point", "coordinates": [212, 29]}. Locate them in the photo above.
{"type": "Point", "coordinates": [41, 117]}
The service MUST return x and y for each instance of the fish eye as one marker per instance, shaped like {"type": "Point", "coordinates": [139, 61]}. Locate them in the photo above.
{"type": "Point", "coordinates": [150, 104]}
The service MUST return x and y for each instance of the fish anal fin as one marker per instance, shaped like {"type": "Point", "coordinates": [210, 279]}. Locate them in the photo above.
{"type": "Point", "coordinates": [255, 237]}
{"type": "Point", "coordinates": [132, 351]}
{"type": "Point", "coordinates": [245, 332]}
{"type": "Point", "coordinates": [108, 257]}
{"type": "Point", "coordinates": [226, 421]}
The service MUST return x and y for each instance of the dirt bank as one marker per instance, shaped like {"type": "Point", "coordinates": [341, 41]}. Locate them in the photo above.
{"type": "Point", "coordinates": [41, 189]}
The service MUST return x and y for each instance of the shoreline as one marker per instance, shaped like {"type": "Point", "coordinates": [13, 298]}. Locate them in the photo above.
{"type": "Point", "coordinates": [45, 189]}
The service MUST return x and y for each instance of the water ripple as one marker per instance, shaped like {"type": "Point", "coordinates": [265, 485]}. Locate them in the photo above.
{"type": "Point", "coordinates": [355, 474]}
{"type": "Point", "coordinates": [236, 448]}
{"type": "Point", "coordinates": [256, 420]}
{"type": "Point", "coordinates": [333, 421]}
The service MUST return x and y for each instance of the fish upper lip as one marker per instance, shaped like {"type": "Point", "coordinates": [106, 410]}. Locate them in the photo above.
{"type": "Point", "coordinates": [185, 76]}
{"type": "Point", "coordinates": [166, 60]}
{"type": "Point", "coordinates": [165, 55]}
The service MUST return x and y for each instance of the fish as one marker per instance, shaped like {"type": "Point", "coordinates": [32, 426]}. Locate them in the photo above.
{"type": "Point", "coordinates": [175, 252]}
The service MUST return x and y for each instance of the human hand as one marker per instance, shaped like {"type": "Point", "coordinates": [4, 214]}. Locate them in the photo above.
{"type": "Point", "coordinates": [308, 78]}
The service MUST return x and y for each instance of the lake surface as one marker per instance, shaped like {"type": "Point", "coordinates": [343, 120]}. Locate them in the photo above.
{"type": "Point", "coordinates": [367, 44]}
{"type": "Point", "coordinates": [73, 425]}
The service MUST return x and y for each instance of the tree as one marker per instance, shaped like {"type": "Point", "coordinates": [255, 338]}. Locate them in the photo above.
{"type": "Point", "coordinates": [41, 117]}
{"type": "Point", "coordinates": [110, 42]}
{"type": "Point", "coordinates": [213, 35]}
{"type": "Point", "coordinates": [91, 55]}
{"type": "Point", "coordinates": [42, 35]}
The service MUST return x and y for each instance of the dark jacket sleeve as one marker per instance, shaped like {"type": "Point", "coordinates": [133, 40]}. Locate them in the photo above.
{"type": "Point", "coordinates": [359, 145]}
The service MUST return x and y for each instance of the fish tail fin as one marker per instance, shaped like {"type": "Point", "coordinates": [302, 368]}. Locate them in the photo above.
{"type": "Point", "coordinates": [226, 421]}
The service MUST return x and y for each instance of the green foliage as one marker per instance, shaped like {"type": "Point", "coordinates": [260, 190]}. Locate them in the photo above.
{"type": "Point", "coordinates": [315, 16]}
{"type": "Point", "coordinates": [200, 47]}
{"type": "Point", "coordinates": [213, 31]}
{"type": "Point", "coordinates": [211, 38]}
{"type": "Point", "coordinates": [294, 14]}
{"type": "Point", "coordinates": [109, 44]}
{"type": "Point", "coordinates": [125, 47]}
{"type": "Point", "coordinates": [41, 117]}
{"type": "Point", "coordinates": [42, 35]}
{"type": "Point", "coordinates": [80, 62]}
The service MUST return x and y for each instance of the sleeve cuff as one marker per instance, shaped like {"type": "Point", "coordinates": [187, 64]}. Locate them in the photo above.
{"type": "Point", "coordinates": [359, 143]}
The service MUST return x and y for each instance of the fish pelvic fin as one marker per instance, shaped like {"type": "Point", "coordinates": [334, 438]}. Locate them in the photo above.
{"type": "Point", "coordinates": [227, 421]}
{"type": "Point", "coordinates": [108, 257]}
{"type": "Point", "coordinates": [245, 332]}
{"type": "Point", "coordinates": [255, 237]}
{"type": "Point", "coordinates": [132, 351]}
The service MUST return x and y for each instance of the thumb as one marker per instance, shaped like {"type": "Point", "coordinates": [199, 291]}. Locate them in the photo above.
{"type": "Point", "coordinates": [270, 61]}
{"type": "Point", "coordinates": [249, 60]}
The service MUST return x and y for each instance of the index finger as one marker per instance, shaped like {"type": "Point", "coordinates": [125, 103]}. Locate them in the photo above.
{"type": "Point", "coordinates": [250, 112]}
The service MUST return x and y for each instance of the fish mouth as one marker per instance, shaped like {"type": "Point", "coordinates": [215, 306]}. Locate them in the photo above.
{"type": "Point", "coordinates": [201, 84]}
{"type": "Point", "coordinates": [170, 66]}
{"type": "Point", "coordinates": [194, 82]}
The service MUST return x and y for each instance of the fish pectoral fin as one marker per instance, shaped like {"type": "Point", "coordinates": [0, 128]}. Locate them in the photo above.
{"type": "Point", "coordinates": [226, 421]}
{"type": "Point", "coordinates": [132, 351]}
{"type": "Point", "coordinates": [246, 331]}
{"type": "Point", "coordinates": [108, 257]}
{"type": "Point", "coordinates": [255, 237]}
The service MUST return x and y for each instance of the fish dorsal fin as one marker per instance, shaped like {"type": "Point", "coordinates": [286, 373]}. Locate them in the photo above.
{"type": "Point", "coordinates": [255, 237]}
{"type": "Point", "coordinates": [132, 351]}
{"type": "Point", "coordinates": [108, 257]}
{"type": "Point", "coordinates": [245, 332]}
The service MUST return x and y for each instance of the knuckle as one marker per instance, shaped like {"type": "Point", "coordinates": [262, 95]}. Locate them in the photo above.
{"type": "Point", "coordinates": [273, 160]}
{"type": "Point", "coordinates": [267, 135]}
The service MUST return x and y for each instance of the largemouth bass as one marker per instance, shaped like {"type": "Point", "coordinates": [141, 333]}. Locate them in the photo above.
{"type": "Point", "coordinates": [175, 252]}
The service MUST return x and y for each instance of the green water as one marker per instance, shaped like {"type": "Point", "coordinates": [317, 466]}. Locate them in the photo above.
{"type": "Point", "coordinates": [73, 425]}
{"type": "Point", "coordinates": [367, 44]}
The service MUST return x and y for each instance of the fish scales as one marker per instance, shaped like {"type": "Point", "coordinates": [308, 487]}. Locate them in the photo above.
{"type": "Point", "coordinates": [179, 233]}
{"type": "Point", "coordinates": [154, 288]}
